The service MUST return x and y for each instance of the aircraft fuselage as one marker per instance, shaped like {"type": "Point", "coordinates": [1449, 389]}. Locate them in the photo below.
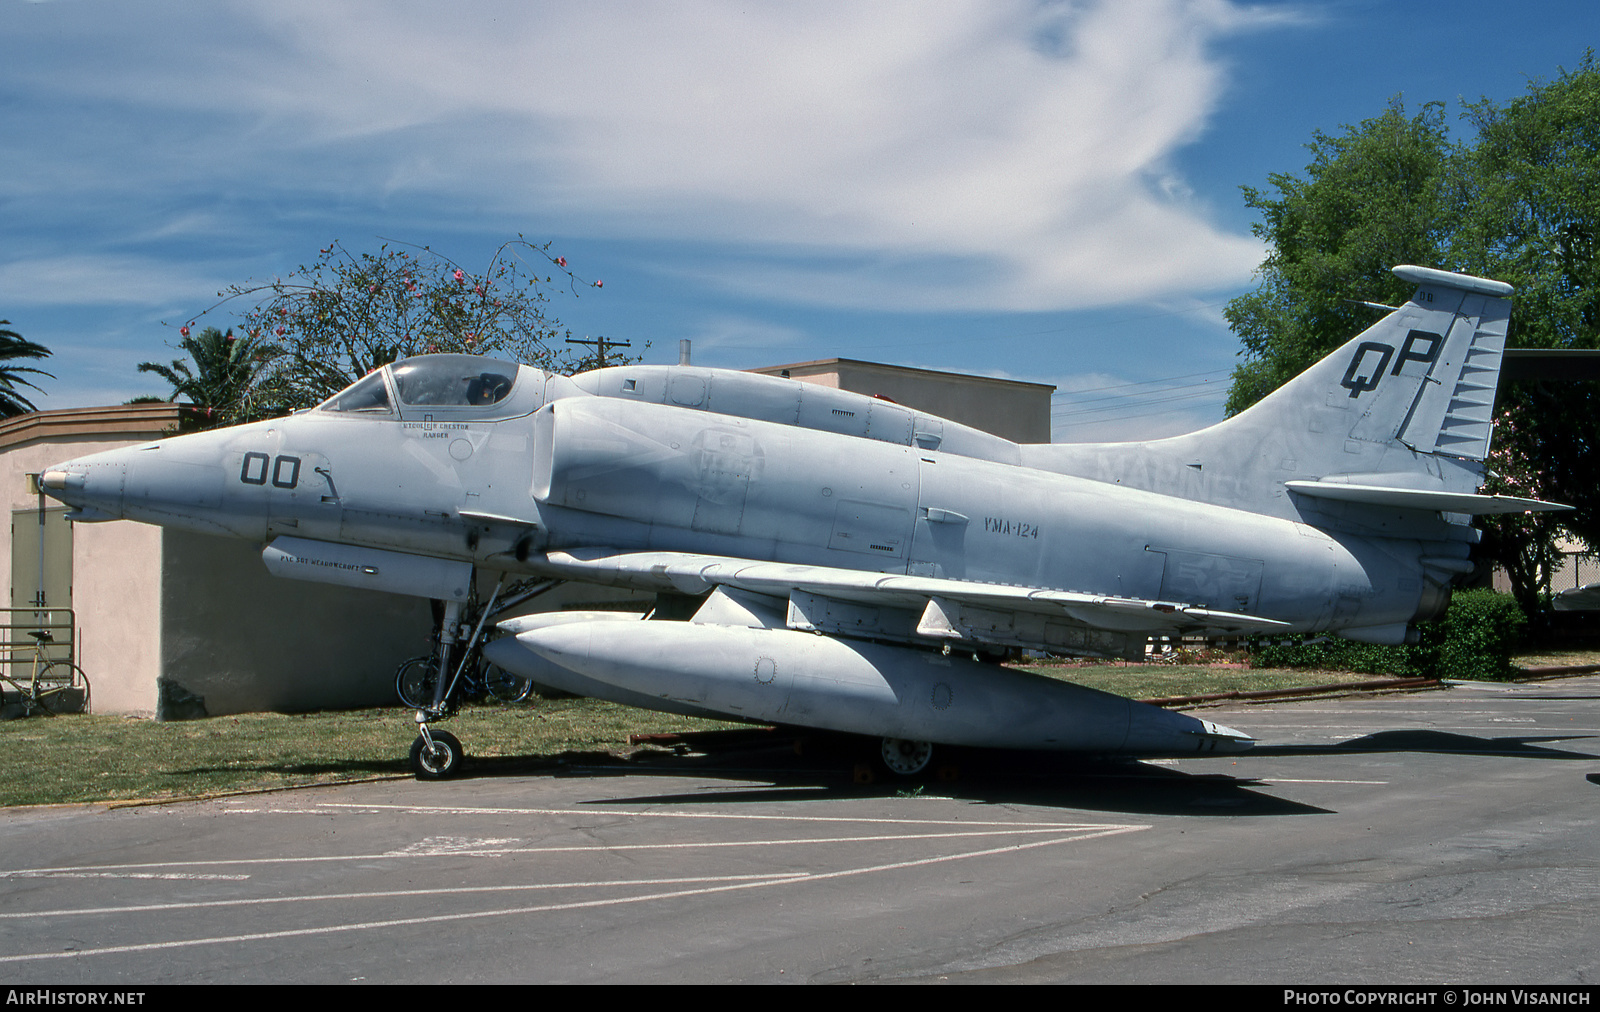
{"type": "Point", "coordinates": [586, 471]}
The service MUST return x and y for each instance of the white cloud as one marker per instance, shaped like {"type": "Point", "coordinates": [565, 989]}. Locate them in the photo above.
{"type": "Point", "coordinates": [966, 154]}
{"type": "Point", "coordinates": [730, 330]}
{"type": "Point", "coordinates": [1100, 407]}
{"type": "Point", "coordinates": [94, 279]}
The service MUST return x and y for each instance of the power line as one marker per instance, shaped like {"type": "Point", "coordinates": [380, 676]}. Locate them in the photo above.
{"type": "Point", "coordinates": [1070, 413]}
{"type": "Point", "coordinates": [601, 344]}
{"type": "Point", "coordinates": [1204, 386]}
{"type": "Point", "coordinates": [1140, 383]}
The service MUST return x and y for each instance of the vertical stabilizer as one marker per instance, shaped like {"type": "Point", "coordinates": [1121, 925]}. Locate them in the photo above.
{"type": "Point", "coordinates": [1421, 381]}
{"type": "Point", "coordinates": [1455, 412]}
{"type": "Point", "coordinates": [1407, 403]}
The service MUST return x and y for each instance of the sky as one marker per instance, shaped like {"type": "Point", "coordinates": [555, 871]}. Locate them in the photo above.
{"type": "Point", "coordinates": [1042, 191]}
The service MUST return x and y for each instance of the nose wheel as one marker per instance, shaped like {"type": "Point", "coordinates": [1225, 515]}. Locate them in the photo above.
{"type": "Point", "coordinates": [436, 755]}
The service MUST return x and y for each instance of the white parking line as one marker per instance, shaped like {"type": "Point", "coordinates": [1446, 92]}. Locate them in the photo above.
{"type": "Point", "coordinates": [553, 907]}
{"type": "Point", "coordinates": [408, 854]}
{"type": "Point", "coordinates": [87, 873]}
{"type": "Point", "coordinates": [739, 816]}
{"type": "Point", "coordinates": [142, 908]}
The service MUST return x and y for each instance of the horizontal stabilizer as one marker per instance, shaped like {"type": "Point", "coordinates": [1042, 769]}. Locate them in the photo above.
{"type": "Point", "coordinates": [1422, 499]}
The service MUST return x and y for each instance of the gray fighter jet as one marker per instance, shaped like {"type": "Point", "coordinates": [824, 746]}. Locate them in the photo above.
{"type": "Point", "coordinates": [862, 564]}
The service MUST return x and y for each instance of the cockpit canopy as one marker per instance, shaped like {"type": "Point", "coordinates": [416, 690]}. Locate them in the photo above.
{"type": "Point", "coordinates": [453, 380]}
{"type": "Point", "coordinates": [427, 383]}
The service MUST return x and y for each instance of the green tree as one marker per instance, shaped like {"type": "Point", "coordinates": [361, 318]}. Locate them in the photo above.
{"type": "Point", "coordinates": [347, 313]}
{"type": "Point", "coordinates": [1535, 222]}
{"type": "Point", "coordinates": [1376, 195]}
{"type": "Point", "coordinates": [1520, 202]}
{"type": "Point", "coordinates": [14, 346]}
{"type": "Point", "coordinates": [230, 382]}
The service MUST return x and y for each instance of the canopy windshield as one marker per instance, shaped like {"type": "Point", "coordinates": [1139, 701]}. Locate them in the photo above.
{"type": "Point", "coordinates": [368, 394]}
{"type": "Point", "coordinates": [453, 380]}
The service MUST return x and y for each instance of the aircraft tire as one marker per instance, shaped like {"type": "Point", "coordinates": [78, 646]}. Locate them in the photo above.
{"type": "Point", "coordinates": [439, 763]}
{"type": "Point", "coordinates": [905, 758]}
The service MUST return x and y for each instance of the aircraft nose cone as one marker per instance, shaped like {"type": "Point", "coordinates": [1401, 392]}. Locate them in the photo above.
{"type": "Point", "coordinates": [59, 480]}
{"type": "Point", "coordinates": [92, 486]}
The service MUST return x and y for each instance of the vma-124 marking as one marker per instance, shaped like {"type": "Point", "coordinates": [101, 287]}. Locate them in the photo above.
{"type": "Point", "coordinates": [861, 564]}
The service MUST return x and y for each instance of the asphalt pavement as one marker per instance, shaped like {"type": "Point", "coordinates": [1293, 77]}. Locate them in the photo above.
{"type": "Point", "coordinates": [1433, 837]}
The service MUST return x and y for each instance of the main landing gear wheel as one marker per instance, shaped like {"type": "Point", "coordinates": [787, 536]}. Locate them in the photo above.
{"type": "Point", "coordinates": [439, 760]}
{"type": "Point", "coordinates": [905, 758]}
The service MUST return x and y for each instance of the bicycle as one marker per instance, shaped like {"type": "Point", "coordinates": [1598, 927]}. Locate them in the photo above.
{"type": "Point", "coordinates": [48, 680]}
{"type": "Point", "coordinates": [415, 680]}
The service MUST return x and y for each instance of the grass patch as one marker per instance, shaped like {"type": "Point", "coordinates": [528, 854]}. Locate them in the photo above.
{"type": "Point", "coordinates": [1159, 681]}
{"type": "Point", "coordinates": [1557, 658]}
{"type": "Point", "coordinates": [52, 760]}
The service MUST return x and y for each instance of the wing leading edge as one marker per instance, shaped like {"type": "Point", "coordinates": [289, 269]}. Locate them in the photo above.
{"type": "Point", "coordinates": [826, 599]}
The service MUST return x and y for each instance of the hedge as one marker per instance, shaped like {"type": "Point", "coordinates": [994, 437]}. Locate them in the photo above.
{"type": "Point", "coordinates": [1474, 641]}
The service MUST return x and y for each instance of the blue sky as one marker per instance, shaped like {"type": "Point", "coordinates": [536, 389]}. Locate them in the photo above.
{"type": "Point", "coordinates": [1043, 191]}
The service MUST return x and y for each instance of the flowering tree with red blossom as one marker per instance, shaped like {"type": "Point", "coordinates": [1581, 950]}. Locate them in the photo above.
{"type": "Point", "coordinates": [1524, 544]}
{"type": "Point", "coordinates": [332, 321]}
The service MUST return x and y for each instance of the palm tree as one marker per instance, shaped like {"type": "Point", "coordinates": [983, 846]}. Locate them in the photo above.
{"type": "Point", "coordinates": [229, 381]}
{"type": "Point", "coordinates": [14, 346]}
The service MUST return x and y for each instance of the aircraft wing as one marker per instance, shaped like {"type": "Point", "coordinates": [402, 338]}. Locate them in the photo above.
{"type": "Point", "coordinates": [946, 609]}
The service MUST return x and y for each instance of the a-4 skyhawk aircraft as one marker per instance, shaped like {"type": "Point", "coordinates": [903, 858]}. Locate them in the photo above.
{"type": "Point", "coordinates": [862, 563]}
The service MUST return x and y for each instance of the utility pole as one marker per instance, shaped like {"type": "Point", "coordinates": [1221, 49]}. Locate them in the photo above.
{"type": "Point", "coordinates": [600, 344]}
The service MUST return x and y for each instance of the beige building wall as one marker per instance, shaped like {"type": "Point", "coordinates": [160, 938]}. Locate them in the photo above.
{"type": "Point", "coordinates": [236, 639]}
{"type": "Point", "coordinates": [1011, 409]}
{"type": "Point", "coordinates": [114, 594]}
{"type": "Point", "coordinates": [115, 573]}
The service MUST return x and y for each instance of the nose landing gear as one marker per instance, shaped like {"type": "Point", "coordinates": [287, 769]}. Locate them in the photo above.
{"type": "Point", "coordinates": [435, 755]}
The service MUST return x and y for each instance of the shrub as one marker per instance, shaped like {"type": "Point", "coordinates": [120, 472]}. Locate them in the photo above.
{"type": "Point", "coordinates": [1334, 654]}
{"type": "Point", "coordinates": [1474, 641]}
{"type": "Point", "coordinates": [1477, 636]}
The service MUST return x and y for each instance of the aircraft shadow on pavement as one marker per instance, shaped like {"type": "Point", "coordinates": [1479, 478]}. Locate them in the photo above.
{"type": "Point", "coordinates": [1442, 742]}
{"type": "Point", "coordinates": [771, 770]}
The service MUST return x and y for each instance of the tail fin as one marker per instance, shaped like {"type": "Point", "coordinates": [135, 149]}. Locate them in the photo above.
{"type": "Point", "coordinates": [1411, 395]}
{"type": "Point", "coordinates": [1405, 408]}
